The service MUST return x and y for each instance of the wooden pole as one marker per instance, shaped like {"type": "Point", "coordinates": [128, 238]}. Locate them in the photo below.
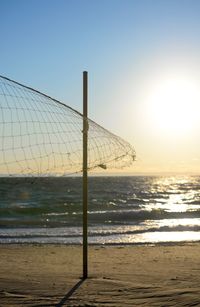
{"type": "Point", "coordinates": [85, 174]}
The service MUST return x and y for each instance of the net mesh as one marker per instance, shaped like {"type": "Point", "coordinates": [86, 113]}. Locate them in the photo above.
{"type": "Point", "coordinates": [41, 136]}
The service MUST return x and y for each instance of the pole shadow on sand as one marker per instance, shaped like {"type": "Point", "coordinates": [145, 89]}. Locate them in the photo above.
{"type": "Point", "coordinates": [70, 292]}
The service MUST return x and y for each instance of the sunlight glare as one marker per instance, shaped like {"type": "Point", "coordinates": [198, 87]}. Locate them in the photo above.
{"type": "Point", "coordinates": [174, 106]}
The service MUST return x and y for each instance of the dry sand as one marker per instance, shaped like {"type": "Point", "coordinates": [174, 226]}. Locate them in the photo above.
{"type": "Point", "coordinates": [49, 275]}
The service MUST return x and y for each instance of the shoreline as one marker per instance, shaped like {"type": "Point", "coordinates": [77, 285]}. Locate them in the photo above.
{"type": "Point", "coordinates": [122, 275]}
{"type": "Point", "coordinates": [125, 244]}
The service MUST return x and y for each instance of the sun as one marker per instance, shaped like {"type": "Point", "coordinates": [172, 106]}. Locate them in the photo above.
{"type": "Point", "coordinates": [173, 106]}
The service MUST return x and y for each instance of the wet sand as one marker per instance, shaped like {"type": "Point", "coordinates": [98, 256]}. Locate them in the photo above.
{"type": "Point", "coordinates": [119, 276]}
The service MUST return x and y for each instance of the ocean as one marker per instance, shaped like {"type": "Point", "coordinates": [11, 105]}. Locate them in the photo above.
{"type": "Point", "coordinates": [121, 210]}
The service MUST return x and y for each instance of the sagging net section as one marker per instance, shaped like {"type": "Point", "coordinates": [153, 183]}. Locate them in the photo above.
{"type": "Point", "coordinates": [40, 136]}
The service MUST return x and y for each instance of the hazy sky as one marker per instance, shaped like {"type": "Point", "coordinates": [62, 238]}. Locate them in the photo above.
{"type": "Point", "coordinates": [143, 59]}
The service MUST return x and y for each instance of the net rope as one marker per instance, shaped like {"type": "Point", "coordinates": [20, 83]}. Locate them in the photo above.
{"type": "Point", "coordinates": [41, 136]}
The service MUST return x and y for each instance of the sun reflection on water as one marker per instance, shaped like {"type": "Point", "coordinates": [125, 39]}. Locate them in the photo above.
{"type": "Point", "coordinates": [174, 236]}
{"type": "Point", "coordinates": [175, 194]}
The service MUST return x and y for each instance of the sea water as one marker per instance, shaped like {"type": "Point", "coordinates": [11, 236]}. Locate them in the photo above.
{"type": "Point", "coordinates": [121, 210]}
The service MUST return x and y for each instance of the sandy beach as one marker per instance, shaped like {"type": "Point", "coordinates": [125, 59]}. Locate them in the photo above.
{"type": "Point", "coordinates": [50, 275]}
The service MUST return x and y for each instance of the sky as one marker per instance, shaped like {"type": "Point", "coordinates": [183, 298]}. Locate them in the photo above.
{"type": "Point", "coordinates": [143, 60]}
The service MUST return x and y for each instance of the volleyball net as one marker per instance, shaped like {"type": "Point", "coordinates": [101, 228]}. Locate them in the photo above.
{"type": "Point", "coordinates": [41, 136]}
